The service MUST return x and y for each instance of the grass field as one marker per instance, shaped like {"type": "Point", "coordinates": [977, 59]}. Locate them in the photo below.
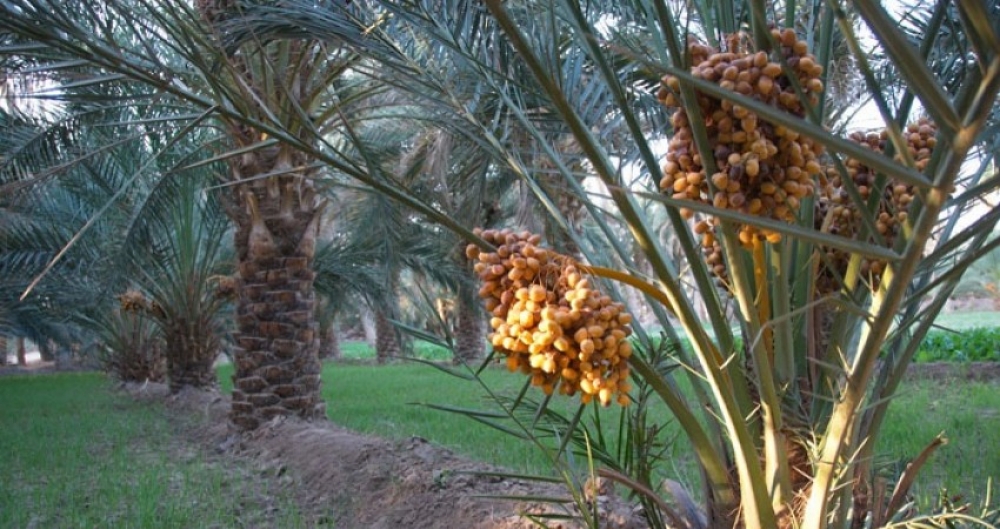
{"type": "Point", "coordinates": [969, 416]}
{"type": "Point", "coordinates": [968, 320]}
{"type": "Point", "coordinates": [75, 455]}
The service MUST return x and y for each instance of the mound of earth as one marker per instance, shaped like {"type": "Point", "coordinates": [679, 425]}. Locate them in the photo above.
{"type": "Point", "coordinates": [947, 371]}
{"type": "Point", "coordinates": [347, 480]}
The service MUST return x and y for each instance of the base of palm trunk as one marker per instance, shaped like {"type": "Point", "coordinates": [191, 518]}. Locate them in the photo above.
{"type": "Point", "coordinates": [277, 368]}
{"type": "Point", "coordinates": [195, 375]}
{"type": "Point", "coordinates": [191, 350]}
{"type": "Point", "coordinates": [22, 353]}
{"type": "Point", "coordinates": [387, 346]}
{"type": "Point", "coordinates": [329, 343]}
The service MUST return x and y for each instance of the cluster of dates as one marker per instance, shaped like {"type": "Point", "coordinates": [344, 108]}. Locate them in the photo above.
{"type": "Point", "coordinates": [761, 169]}
{"type": "Point", "coordinates": [550, 321]}
{"type": "Point", "coordinates": [838, 214]}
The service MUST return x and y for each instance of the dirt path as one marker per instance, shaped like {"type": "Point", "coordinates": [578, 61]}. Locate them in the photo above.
{"type": "Point", "coordinates": [347, 480]}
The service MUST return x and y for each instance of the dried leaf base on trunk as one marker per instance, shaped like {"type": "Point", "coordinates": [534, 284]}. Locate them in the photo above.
{"type": "Point", "coordinates": [191, 352]}
{"type": "Point", "coordinates": [277, 364]}
{"type": "Point", "coordinates": [470, 337]}
{"type": "Point", "coordinates": [196, 373]}
{"type": "Point", "coordinates": [387, 346]}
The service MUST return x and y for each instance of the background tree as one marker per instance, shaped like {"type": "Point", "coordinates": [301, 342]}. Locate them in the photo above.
{"type": "Point", "coordinates": [122, 214]}
{"type": "Point", "coordinates": [201, 61]}
{"type": "Point", "coordinates": [36, 218]}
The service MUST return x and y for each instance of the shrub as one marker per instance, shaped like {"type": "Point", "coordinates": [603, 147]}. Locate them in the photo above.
{"type": "Point", "coordinates": [970, 345]}
{"type": "Point", "coordinates": [132, 348]}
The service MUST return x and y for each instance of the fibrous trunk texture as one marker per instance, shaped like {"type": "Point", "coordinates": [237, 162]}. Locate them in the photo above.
{"type": "Point", "coordinates": [387, 344]}
{"type": "Point", "coordinates": [276, 359]}
{"type": "Point", "coordinates": [469, 332]}
{"type": "Point", "coordinates": [3, 351]}
{"type": "Point", "coordinates": [191, 348]}
{"type": "Point", "coordinates": [329, 341]}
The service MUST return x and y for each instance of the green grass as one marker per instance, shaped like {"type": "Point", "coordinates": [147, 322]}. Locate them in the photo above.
{"type": "Point", "coordinates": [968, 320]}
{"type": "Point", "coordinates": [380, 401]}
{"type": "Point", "coordinates": [74, 454]}
{"type": "Point", "coordinates": [361, 351]}
{"type": "Point", "coordinates": [969, 415]}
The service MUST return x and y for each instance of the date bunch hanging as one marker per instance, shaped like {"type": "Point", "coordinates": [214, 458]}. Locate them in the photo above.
{"type": "Point", "coordinates": [550, 321]}
{"type": "Point", "coordinates": [760, 169]}
{"type": "Point", "coordinates": [838, 213]}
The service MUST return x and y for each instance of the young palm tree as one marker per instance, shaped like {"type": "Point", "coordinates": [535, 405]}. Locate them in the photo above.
{"type": "Point", "coordinates": [162, 236]}
{"type": "Point", "coordinates": [177, 268]}
{"type": "Point", "coordinates": [130, 345]}
{"type": "Point", "coordinates": [32, 231]}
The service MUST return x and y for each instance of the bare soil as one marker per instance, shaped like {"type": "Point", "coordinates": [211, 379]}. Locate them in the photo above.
{"type": "Point", "coordinates": [950, 371]}
{"type": "Point", "coordinates": [346, 480]}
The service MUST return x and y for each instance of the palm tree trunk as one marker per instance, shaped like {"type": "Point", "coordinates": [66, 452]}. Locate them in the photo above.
{"type": "Point", "coordinates": [329, 341]}
{"type": "Point", "coordinates": [3, 350]}
{"type": "Point", "coordinates": [277, 369]}
{"type": "Point", "coordinates": [191, 353]}
{"type": "Point", "coordinates": [46, 349]}
{"type": "Point", "coordinates": [387, 343]}
{"type": "Point", "coordinates": [368, 326]}
{"type": "Point", "coordinates": [469, 335]}
{"type": "Point", "coordinates": [22, 354]}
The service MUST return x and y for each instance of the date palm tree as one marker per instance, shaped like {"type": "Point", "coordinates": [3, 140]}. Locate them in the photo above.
{"type": "Point", "coordinates": [252, 92]}
{"type": "Point", "coordinates": [177, 267]}
{"type": "Point", "coordinates": [801, 405]}
{"type": "Point", "coordinates": [161, 242]}
{"type": "Point", "coordinates": [283, 107]}
{"type": "Point", "coordinates": [782, 425]}
{"type": "Point", "coordinates": [32, 232]}
{"type": "Point", "coordinates": [421, 154]}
